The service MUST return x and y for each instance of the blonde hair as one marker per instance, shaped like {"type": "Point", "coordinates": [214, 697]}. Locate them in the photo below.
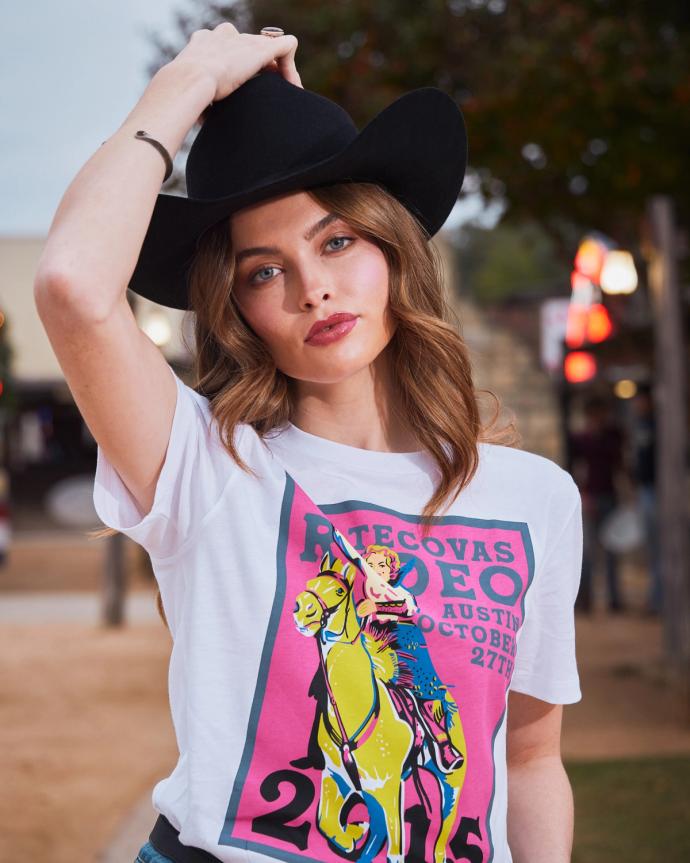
{"type": "Point", "coordinates": [391, 557]}
{"type": "Point", "coordinates": [435, 396]}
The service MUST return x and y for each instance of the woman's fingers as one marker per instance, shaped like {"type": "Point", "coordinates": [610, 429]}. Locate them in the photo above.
{"type": "Point", "coordinates": [285, 48]}
{"type": "Point", "coordinates": [231, 58]}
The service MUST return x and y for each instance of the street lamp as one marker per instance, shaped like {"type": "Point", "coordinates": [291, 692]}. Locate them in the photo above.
{"type": "Point", "coordinates": [618, 274]}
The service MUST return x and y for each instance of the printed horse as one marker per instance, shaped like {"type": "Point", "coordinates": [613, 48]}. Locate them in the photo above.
{"type": "Point", "coordinates": [369, 749]}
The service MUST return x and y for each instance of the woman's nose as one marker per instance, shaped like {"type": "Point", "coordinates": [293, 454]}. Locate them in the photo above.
{"type": "Point", "coordinates": [313, 287]}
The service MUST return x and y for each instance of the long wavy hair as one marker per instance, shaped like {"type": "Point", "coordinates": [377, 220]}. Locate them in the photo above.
{"type": "Point", "coordinates": [435, 394]}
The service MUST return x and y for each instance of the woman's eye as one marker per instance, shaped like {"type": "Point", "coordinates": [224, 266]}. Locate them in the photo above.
{"type": "Point", "coordinates": [254, 278]}
{"type": "Point", "coordinates": [333, 239]}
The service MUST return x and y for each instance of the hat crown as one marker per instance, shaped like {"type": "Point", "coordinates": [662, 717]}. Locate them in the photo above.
{"type": "Point", "coordinates": [283, 129]}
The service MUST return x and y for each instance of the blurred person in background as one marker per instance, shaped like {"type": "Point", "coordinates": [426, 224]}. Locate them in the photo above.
{"type": "Point", "coordinates": [642, 457]}
{"type": "Point", "coordinates": [597, 466]}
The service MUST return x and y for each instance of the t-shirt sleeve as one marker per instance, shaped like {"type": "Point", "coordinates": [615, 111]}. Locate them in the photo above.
{"type": "Point", "coordinates": [546, 664]}
{"type": "Point", "coordinates": [194, 474]}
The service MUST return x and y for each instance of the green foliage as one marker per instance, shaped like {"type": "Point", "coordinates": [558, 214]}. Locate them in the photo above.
{"type": "Point", "coordinates": [631, 810]}
{"type": "Point", "coordinates": [510, 261]}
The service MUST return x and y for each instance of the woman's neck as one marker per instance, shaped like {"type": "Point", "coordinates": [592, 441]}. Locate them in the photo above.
{"type": "Point", "coordinates": [361, 411]}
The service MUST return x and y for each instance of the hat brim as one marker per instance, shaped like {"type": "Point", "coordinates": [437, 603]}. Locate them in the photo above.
{"type": "Point", "coordinates": [416, 148]}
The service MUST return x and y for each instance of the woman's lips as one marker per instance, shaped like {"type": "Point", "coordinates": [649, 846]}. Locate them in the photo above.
{"type": "Point", "coordinates": [330, 321]}
{"type": "Point", "coordinates": [332, 334]}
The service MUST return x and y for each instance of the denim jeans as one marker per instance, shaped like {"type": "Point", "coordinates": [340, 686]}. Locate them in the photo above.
{"type": "Point", "coordinates": [148, 854]}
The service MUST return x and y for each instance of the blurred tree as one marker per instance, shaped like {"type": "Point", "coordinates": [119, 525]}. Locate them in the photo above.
{"type": "Point", "coordinates": [577, 111]}
{"type": "Point", "coordinates": [511, 260]}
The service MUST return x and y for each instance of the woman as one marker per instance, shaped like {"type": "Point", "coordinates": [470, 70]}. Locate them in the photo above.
{"type": "Point", "coordinates": [391, 609]}
{"type": "Point", "coordinates": [334, 397]}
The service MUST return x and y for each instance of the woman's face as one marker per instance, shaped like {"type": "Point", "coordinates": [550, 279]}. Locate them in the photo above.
{"type": "Point", "coordinates": [377, 561]}
{"type": "Point", "coordinates": [305, 272]}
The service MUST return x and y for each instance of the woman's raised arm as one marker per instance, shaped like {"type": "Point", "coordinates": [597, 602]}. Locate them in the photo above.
{"type": "Point", "coordinates": [117, 376]}
{"type": "Point", "coordinates": [99, 227]}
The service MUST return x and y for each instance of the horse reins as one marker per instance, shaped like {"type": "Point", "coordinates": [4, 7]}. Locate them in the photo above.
{"type": "Point", "coordinates": [347, 744]}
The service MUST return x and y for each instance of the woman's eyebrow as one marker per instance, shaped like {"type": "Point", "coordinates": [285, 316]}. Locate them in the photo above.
{"type": "Point", "coordinates": [274, 250]}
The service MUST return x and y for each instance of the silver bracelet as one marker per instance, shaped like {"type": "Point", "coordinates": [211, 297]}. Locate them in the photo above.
{"type": "Point", "coordinates": [144, 136]}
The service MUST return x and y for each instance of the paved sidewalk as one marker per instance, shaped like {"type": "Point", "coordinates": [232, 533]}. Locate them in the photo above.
{"type": "Point", "coordinates": [72, 607]}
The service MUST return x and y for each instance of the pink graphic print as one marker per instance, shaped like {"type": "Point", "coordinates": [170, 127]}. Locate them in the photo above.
{"type": "Point", "coordinates": [382, 687]}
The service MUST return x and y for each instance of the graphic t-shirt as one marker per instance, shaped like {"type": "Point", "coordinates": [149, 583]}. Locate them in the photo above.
{"type": "Point", "coordinates": [338, 681]}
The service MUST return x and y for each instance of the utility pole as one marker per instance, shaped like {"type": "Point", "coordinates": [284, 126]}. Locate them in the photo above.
{"type": "Point", "coordinates": [671, 398]}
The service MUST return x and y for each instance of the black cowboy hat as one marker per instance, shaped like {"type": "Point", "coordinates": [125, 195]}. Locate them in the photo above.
{"type": "Point", "coordinates": [270, 137]}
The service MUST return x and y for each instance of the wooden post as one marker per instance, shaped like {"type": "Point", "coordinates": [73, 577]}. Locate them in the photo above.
{"type": "Point", "coordinates": [114, 581]}
{"type": "Point", "coordinates": [671, 396]}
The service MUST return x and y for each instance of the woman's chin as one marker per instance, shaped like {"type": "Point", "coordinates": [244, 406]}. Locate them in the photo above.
{"type": "Point", "coordinates": [330, 372]}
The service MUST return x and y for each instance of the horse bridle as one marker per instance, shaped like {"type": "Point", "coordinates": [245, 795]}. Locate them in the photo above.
{"type": "Point", "coordinates": [328, 610]}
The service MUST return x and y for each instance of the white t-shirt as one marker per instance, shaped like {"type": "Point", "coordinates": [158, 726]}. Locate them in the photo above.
{"type": "Point", "coordinates": [260, 598]}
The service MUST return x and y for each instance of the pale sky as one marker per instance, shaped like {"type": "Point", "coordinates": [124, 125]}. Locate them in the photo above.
{"type": "Point", "coordinates": [70, 72]}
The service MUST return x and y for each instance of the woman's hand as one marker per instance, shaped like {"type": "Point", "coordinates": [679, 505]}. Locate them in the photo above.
{"type": "Point", "coordinates": [230, 58]}
{"type": "Point", "coordinates": [366, 606]}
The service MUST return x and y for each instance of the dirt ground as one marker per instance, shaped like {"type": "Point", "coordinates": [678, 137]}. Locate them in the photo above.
{"type": "Point", "coordinates": [85, 727]}
{"type": "Point", "coordinates": [84, 731]}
